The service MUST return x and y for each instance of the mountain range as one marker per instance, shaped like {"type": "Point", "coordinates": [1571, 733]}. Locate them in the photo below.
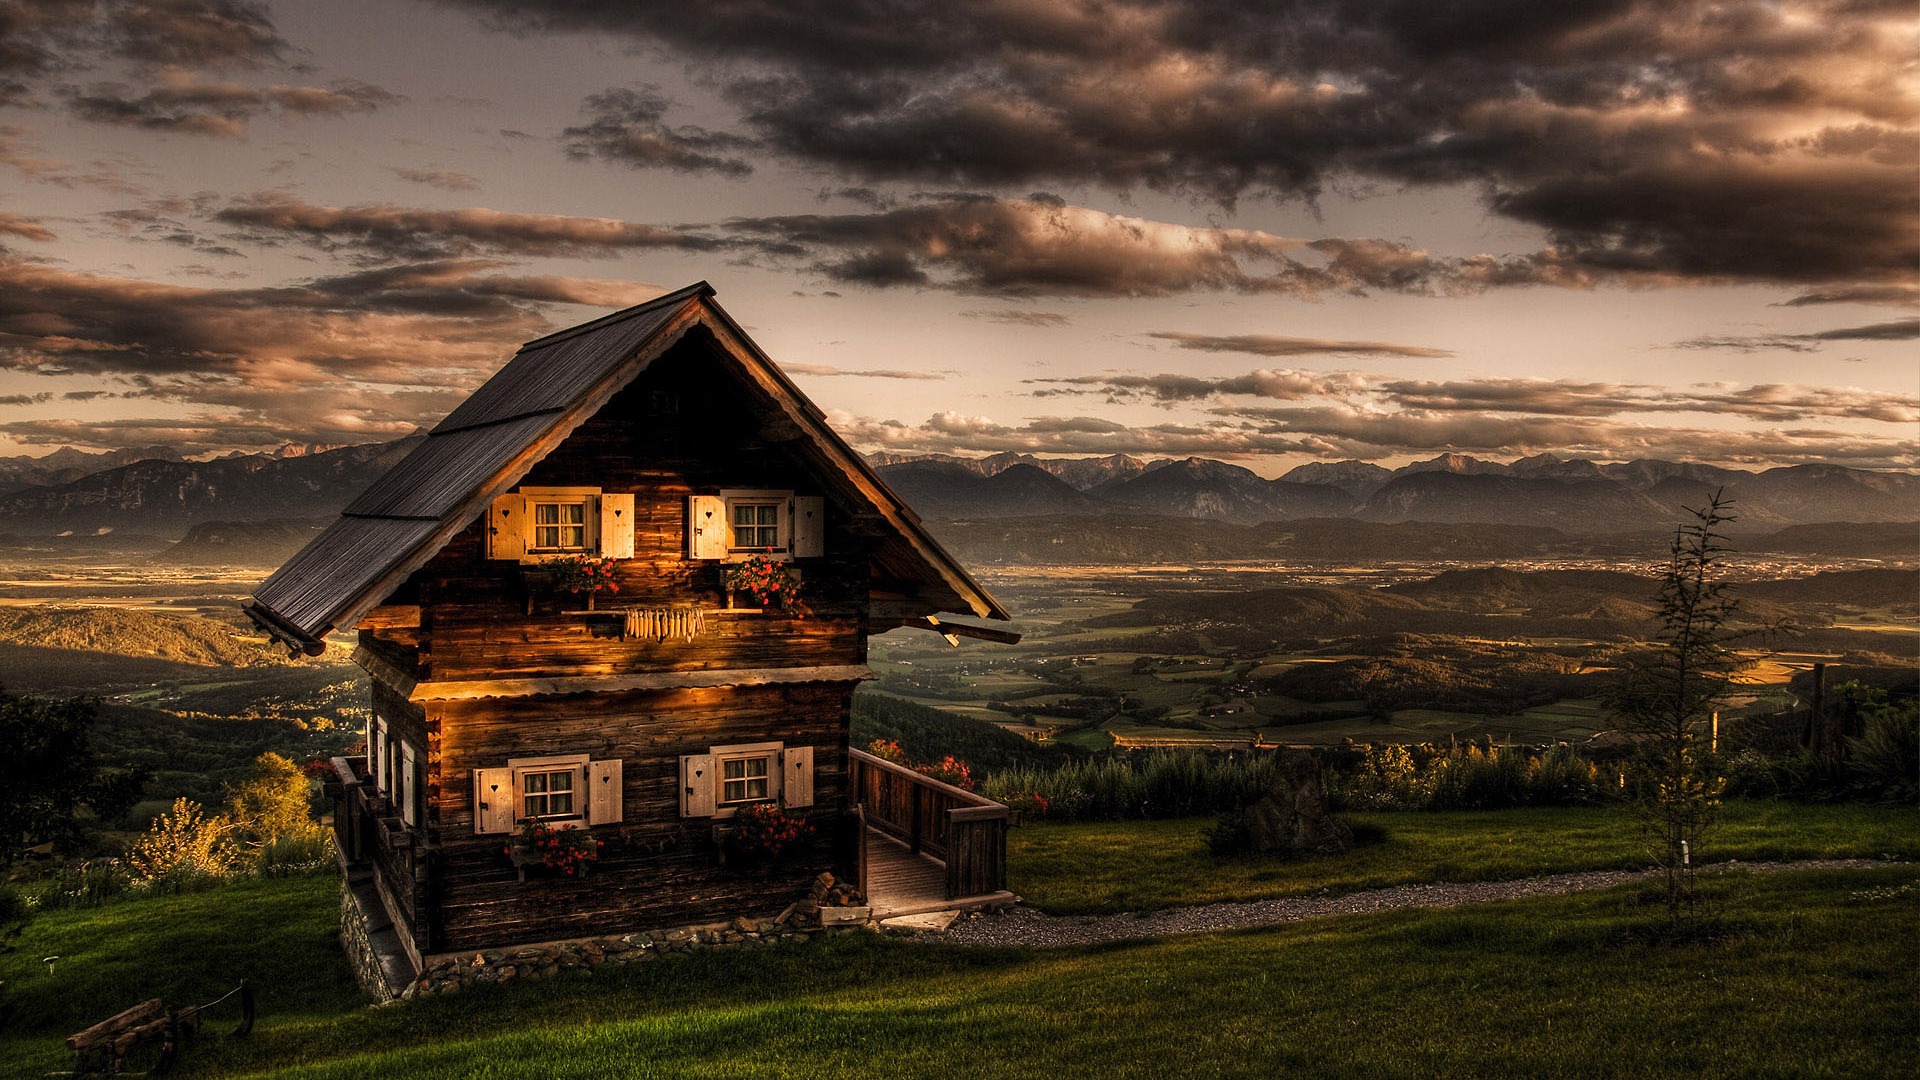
{"type": "Point", "coordinates": [1572, 495]}
{"type": "Point", "coordinates": [162, 495]}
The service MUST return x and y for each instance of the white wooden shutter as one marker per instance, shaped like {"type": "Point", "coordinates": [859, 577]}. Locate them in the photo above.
{"type": "Point", "coordinates": [616, 525]}
{"type": "Point", "coordinates": [406, 785]}
{"type": "Point", "coordinates": [696, 785]}
{"type": "Point", "coordinates": [376, 754]}
{"type": "Point", "coordinates": [493, 800]}
{"type": "Point", "coordinates": [604, 803]}
{"type": "Point", "coordinates": [796, 781]}
{"type": "Point", "coordinates": [507, 528]}
{"type": "Point", "coordinates": [809, 526]}
{"type": "Point", "coordinates": [706, 527]}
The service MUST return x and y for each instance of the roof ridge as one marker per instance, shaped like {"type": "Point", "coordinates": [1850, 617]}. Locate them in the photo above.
{"type": "Point", "coordinates": [698, 288]}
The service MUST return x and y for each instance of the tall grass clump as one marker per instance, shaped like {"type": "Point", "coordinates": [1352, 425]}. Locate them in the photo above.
{"type": "Point", "coordinates": [1160, 784]}
{"type": "Point", "coordinates": [1477, 776]}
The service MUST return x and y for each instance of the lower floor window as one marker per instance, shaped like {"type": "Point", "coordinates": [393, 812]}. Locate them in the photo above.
{"type": "Point", "coordinates": [746, 779]}
{"type": "Point", "coordinates": [547, 794]}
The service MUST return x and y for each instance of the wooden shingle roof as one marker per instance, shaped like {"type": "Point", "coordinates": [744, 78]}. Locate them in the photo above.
{"type": "Point", "coordinates": [486, 445]}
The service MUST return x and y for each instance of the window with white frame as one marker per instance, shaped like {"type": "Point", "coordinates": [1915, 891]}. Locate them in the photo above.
{"type": "Point", "coordinates": [719, 781]}
{"type": "Point", "coordinates": [558, 524]}
{"type": "Point", "coordinates": [758, 526]}
{"type": "Point", "coordinates": [738, 523]}
{"type": "Point", "coordinates": [563, 790]}
{"type": "Point", "coordinates": [536, 524]}
{"type": "Point", "coordinates": [747, 778]}
{"type": "Point", "coordinates": [547, 793]}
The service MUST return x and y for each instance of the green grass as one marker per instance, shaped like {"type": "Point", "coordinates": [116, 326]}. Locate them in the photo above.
{"type": "Point", "coordinates": [282, 934]}
{"type": "Point", "coordinates": [1147, 865]}
{"type": "Point", "coordinates": [1808, 974]}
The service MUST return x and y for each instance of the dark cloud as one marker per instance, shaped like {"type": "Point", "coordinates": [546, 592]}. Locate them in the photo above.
{"type": "Point", "coordinates": [1904, 296]}
{"type": "Point", "coordinates": [395, 232]}
{"type": "Point", "coordinates": [338, 359]}
{"type": "Point", "coordinates": [1768, 140]}
{"type": "Point", "coordinates": [24, 399]}
{"type": "Point", "coordinates": [192, 33]}
{"type": "Point", "coordinates": [444, 179]}
{"type": "Point", "coordinates": [1541, 398]}
{"type": "Point", "coordinates": [1041, 245]}
{"type": "Point", "coordinates": [627, 125]}
{"type": "Point", "coordinates": [1896, 330]}
{"type": "Point", "coordinates": [1276, 345]}
{"type": "Point", "coordinates": [17, 151]}
{"type": "Point", "coordinates": [878, 373]}
{"type": "Point", "coordinates": [180, 102]}
{"type": "Point", "coordinates": [1018, 317]}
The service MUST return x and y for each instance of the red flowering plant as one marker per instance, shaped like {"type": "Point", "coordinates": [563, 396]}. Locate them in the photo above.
{"type": "Point", "coordinates": [588, 574]}
{"type": "Point", "coordinates": [569, 851]}
{"type": "Point", "coordinates": [763, 829]}
{"type": "Point", "coordinates": [888, 750]}
{"type": "Point", "coordinates": [771, 582]}
{"type": "Point", "coordinates": [949, 770]}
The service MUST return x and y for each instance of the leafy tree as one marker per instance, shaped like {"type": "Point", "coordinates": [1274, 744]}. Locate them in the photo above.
{"type": "Point", "coordinates": [48, 772]}
{"type": "Point", "coordinates": [273, 804]}
{"type": "Point", "coordinates": [1666, 701]}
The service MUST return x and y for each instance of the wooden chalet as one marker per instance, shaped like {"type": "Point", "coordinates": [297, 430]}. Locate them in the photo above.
{"type": "Point", "coordinates": [662, 438]}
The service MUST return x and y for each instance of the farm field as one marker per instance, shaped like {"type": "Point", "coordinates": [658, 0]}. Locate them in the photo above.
{"type": "Point", "coordinates": [1230, 657]}
{"type": "Point", "coordinates": [1568, 985]}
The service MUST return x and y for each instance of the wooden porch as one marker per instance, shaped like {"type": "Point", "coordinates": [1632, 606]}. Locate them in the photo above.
{"type": "Point", "coordinates": [927, 845]}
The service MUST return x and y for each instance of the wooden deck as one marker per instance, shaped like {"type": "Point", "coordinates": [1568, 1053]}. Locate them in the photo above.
{"type": "Point", "coordinates": [900, 882]}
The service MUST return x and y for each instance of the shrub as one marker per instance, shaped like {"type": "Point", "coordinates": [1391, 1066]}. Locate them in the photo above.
{"type": "Point", "coordinates": [184, 843]}
{"type": "Point", "coordinates": [1884, 762]}
{"type": "Point", "coordinates": [1476, 776]}
{"type": "Point", "coordinates": [272, 807]}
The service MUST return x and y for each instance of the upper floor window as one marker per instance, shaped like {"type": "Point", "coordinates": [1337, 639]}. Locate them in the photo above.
{"type": "Point", "coordinates": [559, 525]}
{"type": "Point", "coordinates": [758, 525]}
{"type": "Point", "coordinates": [737, 523]}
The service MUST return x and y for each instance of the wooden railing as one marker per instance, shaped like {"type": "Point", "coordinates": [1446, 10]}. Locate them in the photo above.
{"type": "Point", "coordinates": [966, 831]}
{"type": "Point", "coordinates": [368, 832]}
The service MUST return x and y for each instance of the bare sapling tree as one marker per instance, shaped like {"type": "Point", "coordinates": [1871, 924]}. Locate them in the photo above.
{"type": "Point", "coordinates": [1666, 702]}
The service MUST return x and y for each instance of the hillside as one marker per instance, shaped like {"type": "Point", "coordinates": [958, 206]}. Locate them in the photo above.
{"type": "Point", "coordinates": [265, 544]}
{"type": "Point", "coordinates": [132, 634]}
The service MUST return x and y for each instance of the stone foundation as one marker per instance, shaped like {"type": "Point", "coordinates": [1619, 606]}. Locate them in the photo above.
{"type": "Point", "coordinates": [826, 909]}
{"type": "Point", "coordinates": [357, 940]}
{"type": "Point", "coordinates": [453, 972]}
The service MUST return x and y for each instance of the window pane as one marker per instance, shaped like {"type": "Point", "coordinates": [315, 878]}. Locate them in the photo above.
{"type": "Point", "coordinates": [560, 804]}
{"type": "Point", "coordinates": [573, 513]}
{"type": "Point", "coordinates": [546, 513]}
{"type": "Point", "coordinates": [533, 782]}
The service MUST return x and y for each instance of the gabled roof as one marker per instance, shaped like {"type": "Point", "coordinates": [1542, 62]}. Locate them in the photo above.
{"type": "Point", "coordinates": [484, 447]}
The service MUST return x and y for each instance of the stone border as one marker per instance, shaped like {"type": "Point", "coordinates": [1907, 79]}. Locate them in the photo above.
{"type": "Point", "coordinates": [452, 972]}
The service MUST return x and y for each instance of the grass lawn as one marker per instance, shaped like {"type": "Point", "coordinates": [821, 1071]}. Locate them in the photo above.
{"type": "Point", "coordinates": [1147, 865]}
{"type": "Point", "coordinates": [1808, 974]}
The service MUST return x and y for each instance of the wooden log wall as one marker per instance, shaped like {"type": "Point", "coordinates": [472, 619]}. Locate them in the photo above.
{"type": "Point", "coordinates": [681, 428]}
{"type": "Point", "coordinates": [656, 869]}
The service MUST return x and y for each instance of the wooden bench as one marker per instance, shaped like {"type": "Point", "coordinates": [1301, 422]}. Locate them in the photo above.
{"type": "Point", "coordinates": [103, 1048]}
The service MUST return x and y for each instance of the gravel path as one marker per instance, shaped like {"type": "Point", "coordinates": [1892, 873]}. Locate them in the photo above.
{"type": "Point", "coordinates": [1025, 927]}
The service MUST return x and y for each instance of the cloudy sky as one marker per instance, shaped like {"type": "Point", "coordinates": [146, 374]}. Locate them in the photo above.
{"type": "Point", "coordinates": [1376, 229]}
